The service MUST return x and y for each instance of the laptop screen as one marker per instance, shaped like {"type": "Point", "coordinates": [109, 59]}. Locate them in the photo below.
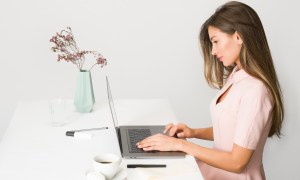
{"type": "Point", "coordinates": [111, 105]}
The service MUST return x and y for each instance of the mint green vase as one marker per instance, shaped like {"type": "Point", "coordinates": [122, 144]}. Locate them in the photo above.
{"type": "Point", "coordinates": [84, 96]}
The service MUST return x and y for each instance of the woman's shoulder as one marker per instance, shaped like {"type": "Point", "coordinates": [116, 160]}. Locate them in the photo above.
{"type": "Point", "coordinates": [253, 82]}
{"type": "Point", "coordinates": [247, 83]}
{"type": "Point", "coordinates": [255, 88]}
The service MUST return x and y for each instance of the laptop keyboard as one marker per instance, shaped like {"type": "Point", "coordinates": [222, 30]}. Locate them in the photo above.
{"type": "Point", "coordinates": [135, 136]}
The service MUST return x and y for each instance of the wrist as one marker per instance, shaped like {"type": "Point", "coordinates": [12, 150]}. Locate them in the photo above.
{"type": "Point", "coordinates": [193, 133]}
{"type": "Point", "coordinates": [181, 145]}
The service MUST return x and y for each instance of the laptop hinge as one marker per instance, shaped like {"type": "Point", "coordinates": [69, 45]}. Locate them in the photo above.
{"type": "Point", "coordinates": [119, 139]}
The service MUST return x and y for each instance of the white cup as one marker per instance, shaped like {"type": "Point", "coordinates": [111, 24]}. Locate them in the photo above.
{"type": "Point", "coordinates": [107, 164]}
{"type": "Point", "coordinates": [57, 108]}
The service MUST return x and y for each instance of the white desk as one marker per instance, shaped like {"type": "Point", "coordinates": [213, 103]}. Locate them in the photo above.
{"type": "Point", "coordinates": [32, 149]}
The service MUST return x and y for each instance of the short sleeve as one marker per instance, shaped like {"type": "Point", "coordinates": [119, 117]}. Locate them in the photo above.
{"type": "Point", "coordinates": [253, 116]}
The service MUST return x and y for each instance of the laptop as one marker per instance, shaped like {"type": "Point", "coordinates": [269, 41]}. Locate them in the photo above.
{"type": "Point", "coordinates": [128, 136]}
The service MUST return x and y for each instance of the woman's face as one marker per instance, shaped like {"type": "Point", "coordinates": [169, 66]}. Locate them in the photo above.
{"type": "Point", "coordinates": [226, 47]}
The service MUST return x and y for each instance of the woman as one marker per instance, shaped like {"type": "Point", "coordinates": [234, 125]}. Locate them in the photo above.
{"type": "Point", "coordinates": [247, 110]}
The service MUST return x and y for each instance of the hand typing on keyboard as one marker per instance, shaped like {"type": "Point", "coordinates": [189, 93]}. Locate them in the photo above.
{"type": "Point", "coordinates": [179, 130]}
{"type": "Point", "coordinates": [161, 142]}
{"type": "Point", "coordinates": [167, 141]}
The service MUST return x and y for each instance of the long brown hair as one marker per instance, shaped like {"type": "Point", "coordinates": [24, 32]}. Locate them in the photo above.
{"type": "Point", "coordinates": [255, 55]}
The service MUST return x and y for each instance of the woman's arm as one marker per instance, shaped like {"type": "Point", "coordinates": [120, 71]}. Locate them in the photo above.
{"type": "Point", "coordinates": [234, 161]}
{"type": "Point", "coordinates": [203, 133]}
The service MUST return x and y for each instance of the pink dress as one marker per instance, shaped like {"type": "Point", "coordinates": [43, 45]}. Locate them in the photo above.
{"type": "Point", "coordinates": [243, 118]}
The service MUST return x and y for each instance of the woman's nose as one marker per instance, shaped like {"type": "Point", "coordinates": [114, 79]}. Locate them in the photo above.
{"type": "Point", "coordinates": [213, 51]}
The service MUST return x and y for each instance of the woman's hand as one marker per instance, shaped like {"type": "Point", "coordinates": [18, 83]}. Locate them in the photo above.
{"type": "Point", "coordinates": [160, 142]}
{"type": "Point", "coordinates": [181, 130]}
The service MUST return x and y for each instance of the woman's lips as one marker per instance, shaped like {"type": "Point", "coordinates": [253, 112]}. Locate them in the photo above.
{"type": "Point", "coordinates": [221, 58]}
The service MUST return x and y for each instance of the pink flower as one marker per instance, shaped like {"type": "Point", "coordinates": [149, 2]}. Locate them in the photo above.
{"type": "Point", "coordinates": [68, 38]}
{"type": "Point", "coordinates": [67, 49]}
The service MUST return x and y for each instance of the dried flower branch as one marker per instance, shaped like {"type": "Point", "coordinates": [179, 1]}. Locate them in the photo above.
{"type": "Point", "coordinates": [67, 49]}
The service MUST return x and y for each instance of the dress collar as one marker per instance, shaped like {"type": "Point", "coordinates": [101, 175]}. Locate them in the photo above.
{"type": "Point", "coordinates": [238, 74]}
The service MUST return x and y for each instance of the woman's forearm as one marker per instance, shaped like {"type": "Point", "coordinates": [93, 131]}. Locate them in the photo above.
{"type": "Point", "coordinates": [204, 133]}
{"type": "Point", "coordinates": [234, 161]}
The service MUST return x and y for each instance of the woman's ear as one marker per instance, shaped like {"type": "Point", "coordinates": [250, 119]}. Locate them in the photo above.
{"type": "Point", "coordinates": [238, 38]}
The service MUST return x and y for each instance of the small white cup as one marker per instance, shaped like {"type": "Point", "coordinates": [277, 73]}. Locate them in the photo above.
{"type": "Point", "coordinates": [107, 164]}
{"type": "Point", "coordinates": [57, 108]}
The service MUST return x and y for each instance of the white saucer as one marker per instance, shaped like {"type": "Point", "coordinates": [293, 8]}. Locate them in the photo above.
{"type": "Point", "coordinates": [92, 175]}
{"type": "Point", "coordinates": [121, 174]}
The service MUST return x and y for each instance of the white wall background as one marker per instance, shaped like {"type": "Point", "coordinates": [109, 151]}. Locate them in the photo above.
{"type": "Point", "coordinates": [152, 51]}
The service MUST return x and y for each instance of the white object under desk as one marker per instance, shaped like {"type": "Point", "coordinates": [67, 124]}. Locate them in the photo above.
{"type": "Point", "coordinates": [33, 149]}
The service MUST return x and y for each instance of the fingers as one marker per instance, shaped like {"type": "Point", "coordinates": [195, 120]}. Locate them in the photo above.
{"type": "Point", "coordinates": [147, 140]}
{"type": "Point", "coordinates": [159, 142]}
{"type": "Point", "coordinates": [151, 148]}
{"type": "Point", "coordinates": [171, 128]}
{"type": "Point", "coordinates": [150, 143]}
{"type": "Point", "coordinates": [181, 126]}
{"type": "Point", "coordinates": [168, 127]}
{"type": "Point", "coordinates": [178, 130]}
{"type": "Point", "coordinates": [181, 134]}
